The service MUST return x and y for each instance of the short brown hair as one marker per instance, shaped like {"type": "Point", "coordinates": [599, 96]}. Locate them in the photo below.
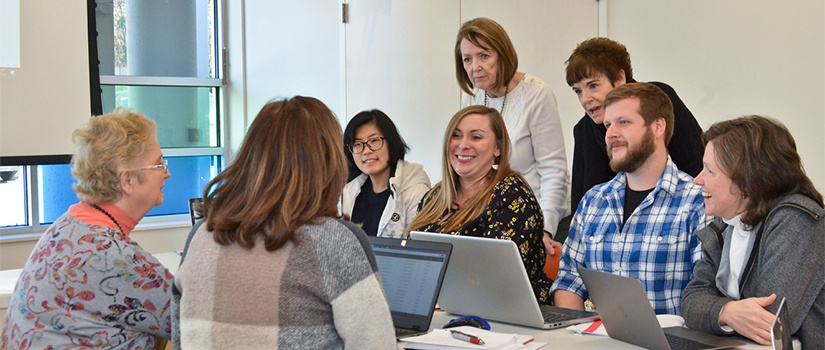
{"type": "Point", "coordinates": [289, 172]}
{"type": "Point", "coordinates": [106, 146]}
{"type": "Point", "coordinates": [598, 56]}
{"type": "Point", "coordinates": [493, 34]}
{"type": "Point", "coordinates": [759, 155]}
{"type": "Point", "coordinates": [653, 103]}
{"type": "Point", "coordinates": [446, 191]}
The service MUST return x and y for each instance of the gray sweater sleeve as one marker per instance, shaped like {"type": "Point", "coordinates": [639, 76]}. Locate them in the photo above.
{"type": "Point", "coordinates": [789, 263]}
{"type": "Point", "coordinates": [701, 301]}
{"type": "Point", "coordinates": [359, 307]}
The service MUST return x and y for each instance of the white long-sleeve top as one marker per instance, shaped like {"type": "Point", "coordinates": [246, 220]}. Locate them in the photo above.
{"type": "Point", "coordinates": [408, 186]}
{"type": "Point", "coordinates": [532, 118]}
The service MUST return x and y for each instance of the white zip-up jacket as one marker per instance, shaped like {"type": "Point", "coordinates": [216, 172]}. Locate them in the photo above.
{"type": "Point", "coordinates": [408, 186]}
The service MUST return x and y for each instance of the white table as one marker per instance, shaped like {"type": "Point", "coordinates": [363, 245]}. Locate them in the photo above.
{"type": "Point", "coordinates": [563, 338]}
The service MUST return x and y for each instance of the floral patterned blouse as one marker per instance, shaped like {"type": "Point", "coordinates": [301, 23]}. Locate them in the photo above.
{"type": "Point", "coordinates": [88, 287]}
{"type": "Point", "coordinates": [513, 214]}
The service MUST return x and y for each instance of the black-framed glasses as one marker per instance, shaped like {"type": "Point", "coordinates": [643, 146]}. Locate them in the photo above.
{"type": "Point", "coordinates": [163, 165]}
{"type": "Point", "coordinates": [374, 144]}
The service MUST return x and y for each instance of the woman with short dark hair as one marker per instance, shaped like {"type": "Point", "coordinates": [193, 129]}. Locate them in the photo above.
{"type": "Point", "coordinates": [767, 239]}
{"type": "Point", "coordinates": [271, 266]}
{"type": "Point", "coordinates": [384, 190]}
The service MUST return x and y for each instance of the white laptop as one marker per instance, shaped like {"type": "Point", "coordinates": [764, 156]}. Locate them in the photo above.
{"type": "Point", "coordinates": [486, 278]}
{"type": "Point", "coordinates": [627, 316]}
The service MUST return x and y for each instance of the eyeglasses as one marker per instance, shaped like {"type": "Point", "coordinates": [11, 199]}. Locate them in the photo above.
{"type": "Point", "coordinates": [163, 165]}
{"type": "Point", "coordinates": [373, 144]}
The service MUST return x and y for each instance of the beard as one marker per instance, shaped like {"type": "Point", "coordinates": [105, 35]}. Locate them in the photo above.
{"type": "Point", "coordinates": [636, 155]}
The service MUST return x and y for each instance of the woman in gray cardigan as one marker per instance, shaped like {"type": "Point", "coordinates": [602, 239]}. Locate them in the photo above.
{"type": "Point", "coordinates": [767, 240]}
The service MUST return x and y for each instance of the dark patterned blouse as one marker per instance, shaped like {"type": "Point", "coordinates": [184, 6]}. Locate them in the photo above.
{"type": "Point", "coordinates": [513, 214]}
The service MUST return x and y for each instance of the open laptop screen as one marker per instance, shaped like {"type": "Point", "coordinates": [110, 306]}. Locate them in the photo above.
{"type": "Point", "coordinates": [411, 273]}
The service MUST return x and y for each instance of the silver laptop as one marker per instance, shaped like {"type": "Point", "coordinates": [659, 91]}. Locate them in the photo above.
{"type": "Point", "coordinates": [627, 316]}
{"type": "Point", "coordinates": [412, 273]}
{"type": "Point", "coordinates": [486, 278]}
{"type": "Point", "coordinates": [780, 336]}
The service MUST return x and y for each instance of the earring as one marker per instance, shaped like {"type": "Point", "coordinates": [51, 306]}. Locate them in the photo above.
{"type": "Point", "coordinates": [495, 166]}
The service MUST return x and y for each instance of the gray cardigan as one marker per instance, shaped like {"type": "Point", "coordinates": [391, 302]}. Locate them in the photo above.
{"type": "Point", "coordinates": [788, 259]}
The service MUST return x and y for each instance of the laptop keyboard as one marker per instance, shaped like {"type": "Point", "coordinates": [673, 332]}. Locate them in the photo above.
{"type": "Point", "coordinates": [552, 317]}
{"type": "Point", "coordinates": [679, 343]}
{"type": "Point", "coordinates": [404, 332]}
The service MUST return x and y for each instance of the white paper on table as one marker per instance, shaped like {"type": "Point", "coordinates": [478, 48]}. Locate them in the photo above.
{"type": "Point", "coordinates": [443, 339]}
{"type": "Point", "coordinates": [664, 320]}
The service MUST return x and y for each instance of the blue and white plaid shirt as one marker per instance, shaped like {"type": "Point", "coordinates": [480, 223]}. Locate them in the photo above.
{"type": "Point", "coordinates": [657, 245]}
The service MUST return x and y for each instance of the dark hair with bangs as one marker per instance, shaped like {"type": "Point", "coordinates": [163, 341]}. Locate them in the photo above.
{"type": "Point", "coordinates": [759, 155]}
{"type": "Point", "coordinates": [392, 139]}
{"type": "Point", "coordinates": [598, 56]}
{"type": "Point", "coordinates": [289, 172]}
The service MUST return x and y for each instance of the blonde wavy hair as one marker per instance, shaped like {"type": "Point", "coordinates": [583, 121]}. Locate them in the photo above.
{"type": "Point", "coordinates": [444, 193]}
{"type": "Point", "coordinates": [106, 146]}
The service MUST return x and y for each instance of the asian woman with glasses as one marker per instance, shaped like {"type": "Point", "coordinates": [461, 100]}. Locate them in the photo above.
{"type": "Point", "coordinates": [384, 190]}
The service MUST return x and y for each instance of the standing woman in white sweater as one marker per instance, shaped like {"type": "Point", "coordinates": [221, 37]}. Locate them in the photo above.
{"type": "Point", "coordinates": [384, 190]}
{"type": "Point", "coordinates": [486, 64]}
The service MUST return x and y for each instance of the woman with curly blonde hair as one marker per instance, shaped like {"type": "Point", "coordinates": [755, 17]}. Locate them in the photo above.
{"type": "Point", "coordinates": [87, 283]}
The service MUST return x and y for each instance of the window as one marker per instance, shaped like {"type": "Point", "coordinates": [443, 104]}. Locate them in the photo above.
{"type": "Point", "coordinates": [162, 59]}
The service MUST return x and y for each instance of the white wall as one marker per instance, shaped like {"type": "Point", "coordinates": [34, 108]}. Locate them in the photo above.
{"type": "Point", "coordinates": [735, 57]}
{"type": "Point", "coordinates": [292, 48]}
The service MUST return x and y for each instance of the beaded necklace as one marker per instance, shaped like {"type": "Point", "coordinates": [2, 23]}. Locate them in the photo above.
{"type": "Point", "coordinates": [109, 215]}
{"type": "Point", "coordinates": [503, 102]}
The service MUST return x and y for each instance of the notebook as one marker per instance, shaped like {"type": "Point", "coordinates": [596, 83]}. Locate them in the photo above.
{"type": "Point", "coordinates": [627, 316]}
{"type": "Point", "coordinates": [486, 278]}
{"type": "Point", "coordinates": [412, 273]}
{"type": "Point", "coordinates": [780, 336]}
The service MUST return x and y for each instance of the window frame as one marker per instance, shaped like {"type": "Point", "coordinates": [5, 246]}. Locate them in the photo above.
{"type": "Point", "coordinates": [33, 229]}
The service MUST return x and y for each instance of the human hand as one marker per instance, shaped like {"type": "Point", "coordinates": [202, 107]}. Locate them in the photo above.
{"type": "Point", "coordinates": [749, 318]}
{"type": "Point", "coordinates": [550, 245]}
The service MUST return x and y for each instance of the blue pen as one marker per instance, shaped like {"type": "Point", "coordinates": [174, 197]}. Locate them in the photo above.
{"type": "Point", "coordinates": [466, 337]}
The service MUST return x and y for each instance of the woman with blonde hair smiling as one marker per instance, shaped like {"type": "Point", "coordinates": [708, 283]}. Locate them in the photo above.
{"type": "Point", "coordinates": [87, 284]}
{"type": "Point", "coordinates": [480, 195]}
{"type": "Point", "coordinates": [766, 241]}
{"type": "Point", "coordinates": [271, 265]}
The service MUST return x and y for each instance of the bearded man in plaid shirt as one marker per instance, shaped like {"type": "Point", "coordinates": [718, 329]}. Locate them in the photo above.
{"type": "Point", "coordinates": [642, 223]}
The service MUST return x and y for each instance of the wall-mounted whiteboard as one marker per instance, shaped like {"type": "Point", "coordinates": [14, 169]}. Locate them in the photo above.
{"type": "Point", "coordinates": [47, 97]}
{"type": "Point", "coordinates": [9, 33]}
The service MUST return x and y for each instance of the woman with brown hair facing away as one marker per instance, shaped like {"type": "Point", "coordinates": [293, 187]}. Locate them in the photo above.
{"type": "Point", "coordinates": [271, 265]}
{"type": "Point", "coordinates": [480, 195]}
